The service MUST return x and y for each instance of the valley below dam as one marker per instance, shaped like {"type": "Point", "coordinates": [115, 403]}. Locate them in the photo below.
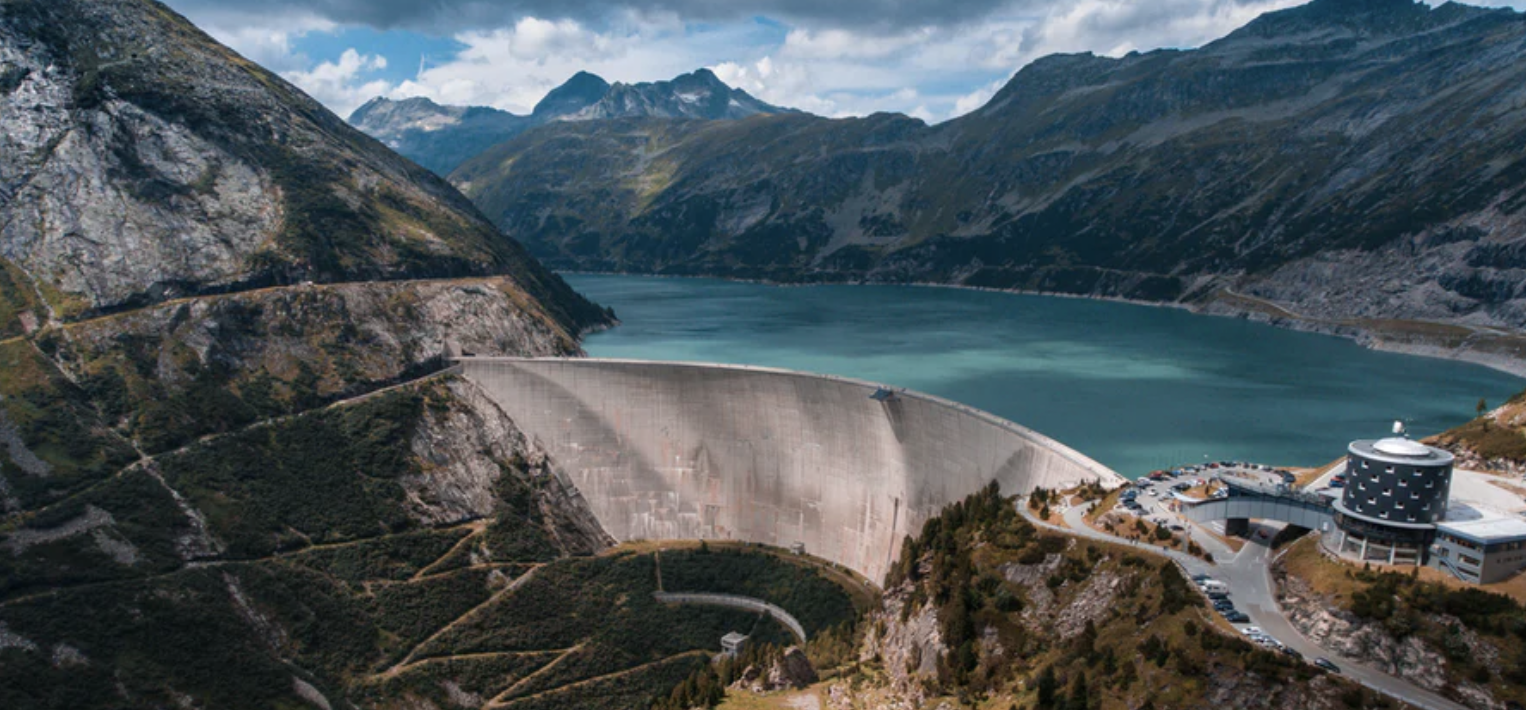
{"type": "Point", "coordinates": [1134, 387]}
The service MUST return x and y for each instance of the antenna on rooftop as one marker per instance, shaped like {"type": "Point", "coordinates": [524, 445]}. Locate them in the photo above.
{"type": "Point", "coordinates": [1399, 428]}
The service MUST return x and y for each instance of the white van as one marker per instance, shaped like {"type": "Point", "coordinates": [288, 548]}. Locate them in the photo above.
{"type": "Point", "coordinates": [1214, 585]}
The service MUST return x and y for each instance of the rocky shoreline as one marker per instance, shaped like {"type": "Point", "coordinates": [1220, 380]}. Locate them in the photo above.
{"type": "Point", "coordinates": [1213, 305]}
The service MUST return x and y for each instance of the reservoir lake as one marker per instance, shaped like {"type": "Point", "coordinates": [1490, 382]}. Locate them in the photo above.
{"type": "Point", "coordinates": [1134, 387]}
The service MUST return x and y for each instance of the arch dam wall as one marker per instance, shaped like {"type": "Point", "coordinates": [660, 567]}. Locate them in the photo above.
{"type": "Point", "coordinates": [693, 451]}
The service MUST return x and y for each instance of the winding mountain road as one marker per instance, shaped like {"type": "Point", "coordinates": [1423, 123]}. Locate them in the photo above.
{"type": "Point", "coordinates": [1248, 577]}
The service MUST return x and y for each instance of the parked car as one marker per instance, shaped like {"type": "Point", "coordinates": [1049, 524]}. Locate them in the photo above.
{"type": "Point", "coordinates": [1199, 578]}
{"type": "Point", "coordinates": [1237, 617]}
{"type": "Point", "coordinates": [1290, 652]}
{"type": "Point", "coordinates": [1252, 631]}
{"type": "Point", "coordinates": [1176, 528]}
{"type": "Point", "coordinates": [1327, 665]}
{"type": "Point", "coordinates": [1216, 595]}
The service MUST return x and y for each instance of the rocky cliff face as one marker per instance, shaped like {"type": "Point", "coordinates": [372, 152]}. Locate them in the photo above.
{"type": "Point", "coordinates": [443, 137]}
{"type": "Point", "coordinates": [224, 478]}
{"type": "Point", "coordinates": [143, 161]}
{"type": "Point", "coordinates": [1353, 161]}
{"type": "Point", "coordinates": [1407, 656]}
{"type": "Point", "coordinates": [1099, 635]}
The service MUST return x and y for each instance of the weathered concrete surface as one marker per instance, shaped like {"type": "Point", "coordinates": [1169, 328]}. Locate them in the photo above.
{"type": "Point", "coordinates": [684, 451]}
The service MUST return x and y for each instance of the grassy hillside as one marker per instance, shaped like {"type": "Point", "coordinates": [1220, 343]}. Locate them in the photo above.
{"type": "Point", "coordinates": [1495, 440]}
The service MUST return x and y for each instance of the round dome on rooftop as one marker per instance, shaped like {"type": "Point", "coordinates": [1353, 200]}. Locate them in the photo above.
{"type": "Point", "coordinates": [1395, 446]}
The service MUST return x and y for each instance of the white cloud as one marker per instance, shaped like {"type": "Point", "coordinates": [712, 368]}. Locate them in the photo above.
{"type": "Point", "coordinates": [957, 69]}
{"type": "Point", "coordinates": [931, 71]}
{"type": "Point", "coordinates": [342, 85]}
{"type": "Point", "coordinates": [267, 43]}
{"type": "Point", "coordinates": [512, 68]}
{"type": "Point", "coordinates": [975, 99]}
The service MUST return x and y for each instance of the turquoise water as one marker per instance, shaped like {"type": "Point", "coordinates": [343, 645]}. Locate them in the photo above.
{"type": "Point", "coordinates": [1134, 387]}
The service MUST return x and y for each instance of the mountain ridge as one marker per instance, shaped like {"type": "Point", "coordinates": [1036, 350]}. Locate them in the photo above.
{"type": "Point", "coordinates": [441, 137]}
{"type": "Point", "coordinates": [1357, 177]}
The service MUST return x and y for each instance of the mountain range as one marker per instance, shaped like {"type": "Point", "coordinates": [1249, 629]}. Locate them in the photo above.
{"type": "Point", "coordinates": [236, 470]}
{"type": "Point", "coordinates": [1339, 165]}
{"type": "Point", "coordinates": [442, 137]}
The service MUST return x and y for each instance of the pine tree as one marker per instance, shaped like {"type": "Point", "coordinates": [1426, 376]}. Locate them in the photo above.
{"type": "Point", "coordinates": [1047, 686]}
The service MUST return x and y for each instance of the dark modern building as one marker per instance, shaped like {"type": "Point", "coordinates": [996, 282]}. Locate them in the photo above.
{"type": "Point", "coordinates": [1396, 493]}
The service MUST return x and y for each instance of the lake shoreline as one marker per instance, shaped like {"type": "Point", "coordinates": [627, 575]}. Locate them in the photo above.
{"type": "Point", "coordinates": [1135, 389]}
{"type": "Point", "coordinates": [1215, 307]}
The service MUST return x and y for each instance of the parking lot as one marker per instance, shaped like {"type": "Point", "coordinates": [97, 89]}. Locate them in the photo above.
{"type": "Point", "coordinates": [1219, 597]}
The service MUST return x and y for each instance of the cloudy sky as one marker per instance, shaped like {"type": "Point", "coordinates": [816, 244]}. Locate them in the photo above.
{"type": "Point", "coordinates": [928, 58]}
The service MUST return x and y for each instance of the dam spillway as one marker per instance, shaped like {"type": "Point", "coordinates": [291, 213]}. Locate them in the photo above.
{"type": "Point", "coordinates": [668, 450]}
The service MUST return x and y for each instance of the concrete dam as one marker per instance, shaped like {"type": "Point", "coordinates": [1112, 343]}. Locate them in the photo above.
{"type": "Point", "coordinates": [666, 450]}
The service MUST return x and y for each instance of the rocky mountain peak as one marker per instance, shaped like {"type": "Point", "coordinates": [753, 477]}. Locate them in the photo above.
{"type": "Point", "coordinates": [579, 92]}
{"type": "Point", "coordinates": [384, 118]}
{"type": "Point", "coordinates": [441, 138]}
{"type": "Point", "coordinates": [698, 94]}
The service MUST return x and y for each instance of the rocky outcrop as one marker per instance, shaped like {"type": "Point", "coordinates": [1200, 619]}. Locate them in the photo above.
{"type": "Point", "coordinates": [790, 671]}
{"type": "Point", "coordinates": [908, 643]}
{"type": "Point", "coordinates": [352, 334]}
{"type": "Point", "coordinates": [1240, 691]}
{"type": "Point", "coordinates": [461, 452]}
{"type": "Point", "coordinates": [1353, 161]}
{"type": "Point", "coordinates": [1370, 643]}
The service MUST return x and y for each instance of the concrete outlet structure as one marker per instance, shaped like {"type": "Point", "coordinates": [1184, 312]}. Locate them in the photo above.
{"type": "Point", "coordinates": [843, 467]}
